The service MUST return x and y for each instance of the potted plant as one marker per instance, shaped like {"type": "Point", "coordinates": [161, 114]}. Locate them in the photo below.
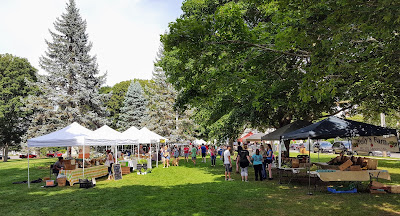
{"type": "Point", "coordinates": [142, 164]}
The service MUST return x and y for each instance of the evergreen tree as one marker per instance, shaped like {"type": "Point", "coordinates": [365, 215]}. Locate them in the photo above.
{"type": "Point", "coordinates": [70, 90]}
{"type": "Point", "coordinates": [133, 113]}
{"type": "Point", "coordinates": [162, 118]}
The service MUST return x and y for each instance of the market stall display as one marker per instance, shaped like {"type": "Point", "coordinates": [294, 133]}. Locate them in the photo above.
{"type": "Point", "coordinates": [73, 176]}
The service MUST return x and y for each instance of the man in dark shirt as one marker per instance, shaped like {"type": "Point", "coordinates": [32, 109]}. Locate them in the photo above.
{"type": "Point", "coordinates": [58, 165]}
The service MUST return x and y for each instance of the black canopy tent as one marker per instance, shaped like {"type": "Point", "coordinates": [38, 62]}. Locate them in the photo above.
{"type": "Point", "coordinates": [277, 134]}
{"type": "Point", "coordinates": [333, 126]}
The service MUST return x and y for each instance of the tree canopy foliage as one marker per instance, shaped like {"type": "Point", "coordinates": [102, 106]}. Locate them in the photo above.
{"type": "Point", "coordinates": [14, 121]}
{"type": "Point", "coordinates": [266, 63]}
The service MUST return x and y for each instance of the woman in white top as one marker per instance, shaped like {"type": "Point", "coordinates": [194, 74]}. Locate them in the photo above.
{"type": "Point", "coordinates": [109, 162]}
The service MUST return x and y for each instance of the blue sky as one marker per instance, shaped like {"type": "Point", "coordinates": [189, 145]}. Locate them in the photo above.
{"type": "Point", "coordinates": [125, 33]}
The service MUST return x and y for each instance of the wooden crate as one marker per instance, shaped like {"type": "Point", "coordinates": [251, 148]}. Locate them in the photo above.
{"type": "Point", "coordinates": [125, 170]}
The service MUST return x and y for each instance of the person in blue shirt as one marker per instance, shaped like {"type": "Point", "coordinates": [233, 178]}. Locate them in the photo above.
{"type": "Point", "coordinates": [257, 164]}
{"type": "Point", "coordinates": [203, 153]}
{"type": "Point", "coordinates": [269, 160]}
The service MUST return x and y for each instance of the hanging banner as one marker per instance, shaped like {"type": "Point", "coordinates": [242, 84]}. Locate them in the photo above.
{"type": "Point", "coordinates": [375, 143]}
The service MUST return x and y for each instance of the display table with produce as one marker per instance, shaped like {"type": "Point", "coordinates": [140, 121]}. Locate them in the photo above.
{"type": "Point", "coordinates": [73, 176]}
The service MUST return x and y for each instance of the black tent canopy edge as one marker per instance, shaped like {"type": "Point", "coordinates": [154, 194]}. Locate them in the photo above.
{"type": "Point", "coordinates": [333, 127]}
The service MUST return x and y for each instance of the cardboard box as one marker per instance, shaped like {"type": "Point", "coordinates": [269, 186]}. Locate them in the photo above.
{"type": "Point", "coordinates": [295, 163]}
{"type": "Point", "coordinates": [372, 164]}
{"type": "Point", "coordinates": [61, 181]}
{"type": "Point", "coordinates": [345, 165]}
{"type": "Point", "coordinates": [394, 189]}
{"type": "Point", "coordinates": [355, 168]}
{"type": "Point", "coordinates": [377, 191]}
{"type": "Point", "coordinates": [377, 184]}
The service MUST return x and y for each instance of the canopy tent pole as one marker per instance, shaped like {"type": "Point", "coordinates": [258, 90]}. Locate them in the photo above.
{"type": "Point", "coordinates": [83, 159]}
{"type": "Point", "coordinates": [309, 167]}
{"type": "Point", "coordinates": [280, 153]}
{"type": "Point", "coordinates": [157, 149]}
{"type": "Point", "coordinates": [29, 181]}
{"type": "Point", "coordinates": [138, 152]}
{"type": "Point", "coordinates": [116, 154]}
{"type": "Point", "coordinates": [151, 162]}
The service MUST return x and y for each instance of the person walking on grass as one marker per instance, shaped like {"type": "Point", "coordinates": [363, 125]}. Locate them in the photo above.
{"type": "Point", "coordinates": [244, 161]}
{"type": "Point", "coordinates": [176, 156]}
{"type": "Point", "coordinates": [269, 160]}
{"type": "Point", "coordinates": [203, 153]}
{"type": "Point", "coordinates": [237, 157]}
{"type": "Point", "coordinates": [194, 153]}
{"type": "Point", "coordinates": [167, 154]}
{"type": "Point", "coordinates": [162, 155]}
{"type": "Point", "coordinates": [186, 153]}
{"type": "Point", "coordinates": [213, 155]}
{"type": "Point", "coordinates": [257, 164]}
{"type": "Point", "coordinates": [263, 153]}
{"type": "Point", "coordinates": [228, 164]}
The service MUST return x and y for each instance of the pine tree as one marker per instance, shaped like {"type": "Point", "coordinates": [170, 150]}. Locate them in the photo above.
{"type": "Point", "coordinates": [70, 90]}
{"type": "Point", "coordinates": [134, 111]}
{"type": "Point", "coordinates": [162, 118]}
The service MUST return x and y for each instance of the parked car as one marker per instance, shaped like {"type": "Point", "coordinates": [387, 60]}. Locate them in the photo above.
{"type": "Point", "coordinates": [323, 147]}
{"type": "Point", "coordinates": [342, 146]}
{"type": "Point", "coordinates": [1, 157]}
{"type": "Point", "coordinates": [25, 156]}
{"type": "Point", "coordinates": [372, 153]}
{"type": "Point", "coordinates": [50, 155]}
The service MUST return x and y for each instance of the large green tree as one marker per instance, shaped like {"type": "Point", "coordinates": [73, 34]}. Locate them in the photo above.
{"type": "Point", "coordinates": [266, 63]}
{"type": "Point", "coordinates": [213, 58]}
{"type": "Point", "coordinates": [14, 121]}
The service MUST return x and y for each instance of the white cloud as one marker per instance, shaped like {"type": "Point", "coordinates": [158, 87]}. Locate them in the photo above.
{"type": "Point", "coordinates": [125, 33]}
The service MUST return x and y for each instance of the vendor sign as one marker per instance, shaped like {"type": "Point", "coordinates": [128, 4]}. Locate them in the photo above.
{"type": "Point", "coordinates": [375, 143]}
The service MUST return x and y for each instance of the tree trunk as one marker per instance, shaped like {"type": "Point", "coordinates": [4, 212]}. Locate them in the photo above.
{"type": "Point", "coordinates": [230, 143]}
{"type": "Point", "coordinates": [287, 145]}
{"type": "Point", "coordinates": [5, 154]}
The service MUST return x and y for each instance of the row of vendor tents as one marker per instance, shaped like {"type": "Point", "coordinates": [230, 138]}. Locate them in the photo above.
{"type": "Point", "coordinates": [77, 135]}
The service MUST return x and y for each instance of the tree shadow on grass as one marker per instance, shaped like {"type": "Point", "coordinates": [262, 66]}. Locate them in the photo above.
{"type": "Point", "coordinates": [216, 198]}
{"type": "Point", "coordinates": [129, 197]}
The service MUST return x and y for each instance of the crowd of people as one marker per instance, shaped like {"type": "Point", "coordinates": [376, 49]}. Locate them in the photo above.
{"type": "Point", "coordinates": [261, 159]}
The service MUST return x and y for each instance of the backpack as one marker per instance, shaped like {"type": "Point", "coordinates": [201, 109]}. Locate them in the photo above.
{"type": "Point", "coordinates": [244, 162]}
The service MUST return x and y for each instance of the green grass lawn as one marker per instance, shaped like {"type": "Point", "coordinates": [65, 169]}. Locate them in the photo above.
{"type": "Point", "coordinates": [184, 190]}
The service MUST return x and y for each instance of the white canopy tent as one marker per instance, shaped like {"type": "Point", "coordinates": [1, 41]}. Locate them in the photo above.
{"type": "Point", "coordinates": [145, 136]}
{"type": "Point", "coordinates": [106, 136]}
{"type": "Point", "coordinates": [72, 135]}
